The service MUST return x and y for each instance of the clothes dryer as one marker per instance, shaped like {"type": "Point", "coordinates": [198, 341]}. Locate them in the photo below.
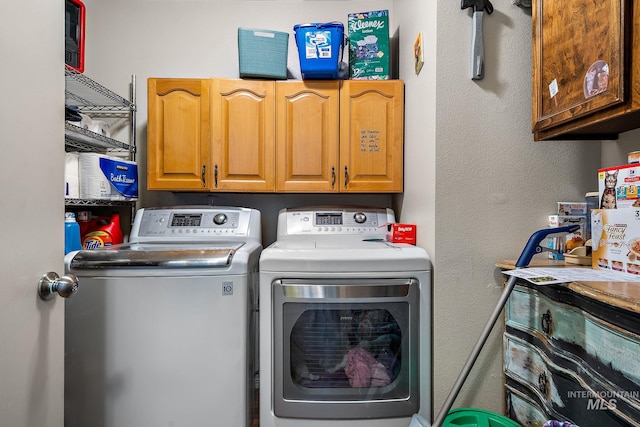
{"type": "Point", "coordinates": [161, 331]}
{"type": "Point", "coordinates": [345, 322]}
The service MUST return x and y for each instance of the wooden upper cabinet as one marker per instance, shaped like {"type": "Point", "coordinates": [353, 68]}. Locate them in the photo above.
{"type": "Point", "coordinates": [586, 68]}
{"type": "Point", "coordinates": [371, 136]}
{"type": "Point", "coordinates": [263, 136]}
{"type": "Point", "coordinates": [178, 134]}
{"type": "Point", "coordinates": [243, 126]}
{"type": "Point", "coordinates": [307, 135]}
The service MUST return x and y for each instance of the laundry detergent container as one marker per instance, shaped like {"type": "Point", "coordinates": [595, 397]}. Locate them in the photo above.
{"type": "Point", "coordinates": [320, 49]}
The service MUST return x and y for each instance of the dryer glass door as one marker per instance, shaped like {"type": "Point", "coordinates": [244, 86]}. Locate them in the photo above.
{"type": "Point", "coordinates": [345, 349]}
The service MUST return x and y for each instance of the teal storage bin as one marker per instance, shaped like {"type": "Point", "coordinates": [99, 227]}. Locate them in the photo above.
{"type": "Point", "coordinates": [263, 53]}
{"type": "Point", "coordinates": [320, 49]}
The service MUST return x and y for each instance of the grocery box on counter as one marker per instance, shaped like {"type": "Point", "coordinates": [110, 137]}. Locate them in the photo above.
{"type": "Point", "coordinates": [615, 237]}
{"type": "Point", "coordinates": [572, 208]}
{"type": "Point", "coordinates": [570, 240]}
{"type": "Point", "coordinates": [618, 187]}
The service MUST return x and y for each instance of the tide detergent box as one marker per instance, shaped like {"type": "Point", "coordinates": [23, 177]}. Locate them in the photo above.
{"type": "Point", "coordinates": [105, 177]}
{"type": "Point", "coordinates": [615, 240]}
{"type": "Point", "coordinates": [369, 45]}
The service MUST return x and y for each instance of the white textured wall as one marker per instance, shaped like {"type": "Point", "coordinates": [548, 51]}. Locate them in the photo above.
{"type": "Point", "coordinates": [198, 39]}
{"type": "Point", "coordinates": [475, 182]}
{"type": "Point", "coordinates": [616, 152]}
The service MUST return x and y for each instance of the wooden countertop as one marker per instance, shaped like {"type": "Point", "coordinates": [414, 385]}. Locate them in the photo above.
{"type": "Point", "coordinates": [625, 295]}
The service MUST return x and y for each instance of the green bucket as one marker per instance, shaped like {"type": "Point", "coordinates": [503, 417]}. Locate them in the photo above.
{"type": "Point", "coordinates": [472, 417]}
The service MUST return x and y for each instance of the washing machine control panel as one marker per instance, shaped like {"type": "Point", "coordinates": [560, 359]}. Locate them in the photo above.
{"type": "Point", "coordinates": [194, 223]}
{"type": "Point", "coordinates": [334, 221]}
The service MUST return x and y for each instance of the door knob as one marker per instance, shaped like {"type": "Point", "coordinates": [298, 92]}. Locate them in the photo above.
{"type": "Point", "coordinates": [51, 284]}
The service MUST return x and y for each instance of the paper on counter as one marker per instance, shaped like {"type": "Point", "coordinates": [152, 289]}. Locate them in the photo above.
{"type": "Point", "coordinates": [554, 276]}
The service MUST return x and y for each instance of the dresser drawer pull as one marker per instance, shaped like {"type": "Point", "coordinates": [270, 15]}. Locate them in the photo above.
{"type": "Point", "coordinates": [543, 383]}
{"type": "Point", "coordinates": [546, 322]}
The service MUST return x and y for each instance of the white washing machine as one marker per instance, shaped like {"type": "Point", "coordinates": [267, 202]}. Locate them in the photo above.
{"type": "Point", "coordinates": [162, 329]}
{"type": "Point", "coordinates": [345, 322]}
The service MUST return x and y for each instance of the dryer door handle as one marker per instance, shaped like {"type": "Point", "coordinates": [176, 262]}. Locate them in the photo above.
{"type": "Point", "coordinates": [387, 288]}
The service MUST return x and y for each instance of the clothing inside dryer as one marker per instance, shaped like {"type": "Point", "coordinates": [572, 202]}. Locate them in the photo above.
{"type": "Point", "coordinates": [345, 348]}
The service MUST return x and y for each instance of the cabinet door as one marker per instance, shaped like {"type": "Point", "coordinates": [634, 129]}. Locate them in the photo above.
{"type": "Point", "coordinates": [578, 59]}
{"type": "Point", "coordinates": [307, 136]}
{"type": "Point", "coordinates": [523, 409]}
{"type": "Point", "coordinates": [371, 136]}
{"type": "Point", "coordinates": [243, 122]}
{"type": "Point", "coordinates": [178, 134]}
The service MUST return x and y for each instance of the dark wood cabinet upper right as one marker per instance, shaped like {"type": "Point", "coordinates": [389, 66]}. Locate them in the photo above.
{"type": "Point", "coordinates": [586, 68]}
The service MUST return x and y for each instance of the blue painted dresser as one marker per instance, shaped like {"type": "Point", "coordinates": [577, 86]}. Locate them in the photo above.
{"type": "Point", "coordinates": [572, 353]}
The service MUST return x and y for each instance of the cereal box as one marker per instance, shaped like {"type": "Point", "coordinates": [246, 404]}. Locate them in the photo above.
{"type": "Point", "coordinates": [369, 45]}
{"type": "Point", "coordinates": [615, 237]}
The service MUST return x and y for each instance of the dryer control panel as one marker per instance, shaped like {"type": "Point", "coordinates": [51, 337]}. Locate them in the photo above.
{"type": "Point", "coordinates": [334, 221]}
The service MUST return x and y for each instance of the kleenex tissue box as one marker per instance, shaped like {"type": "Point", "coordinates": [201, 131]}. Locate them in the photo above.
{"type": "Point", "coordinates": [105, 177]}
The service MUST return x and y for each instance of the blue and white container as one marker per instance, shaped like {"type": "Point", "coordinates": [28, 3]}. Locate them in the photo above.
{"type": "Point", "coordinates": [108, 178]}
{"type": "Point", "coordinates": [71, 233]}
{"type": "Point", "coordinates": [320, 49]}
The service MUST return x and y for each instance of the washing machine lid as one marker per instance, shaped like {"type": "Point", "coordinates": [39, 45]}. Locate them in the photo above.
{"type": "Point", "coordinates": [174, 255]}
{"type": "Point", "coordinates": [335, 255]}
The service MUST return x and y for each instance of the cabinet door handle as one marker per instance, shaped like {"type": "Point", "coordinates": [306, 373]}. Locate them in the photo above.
{"type": "Point", "coordinates": [546, 322]}
{"type": "Point", "coordinates": [204, 175]}
{"type": "Point", "coordinates": [333, 177]}
{"type": "Point", "coordinates": [346, 176]}
{"type": "Point", "coordinates": [215, 175]}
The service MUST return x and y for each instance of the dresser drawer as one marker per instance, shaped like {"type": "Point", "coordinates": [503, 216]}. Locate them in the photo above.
{"type": "Point", "coordinates": [523, 409]}
{"type": "Point", "coordinates": [559, 385]}
{"type": "Point", "coordinates": [607, 349]}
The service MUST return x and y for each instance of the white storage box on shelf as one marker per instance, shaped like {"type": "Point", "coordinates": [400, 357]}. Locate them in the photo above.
{"type": "Point", "coordinates": [71, 176]}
